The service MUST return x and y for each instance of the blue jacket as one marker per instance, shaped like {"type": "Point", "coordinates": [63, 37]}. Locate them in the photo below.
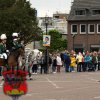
{"type": "Point", "coordinates": [66, 58]}
{"type": "Point", "coordinates": [87, 58]}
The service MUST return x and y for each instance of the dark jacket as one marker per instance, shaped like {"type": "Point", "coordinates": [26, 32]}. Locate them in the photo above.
{"type": "Point", "coordinates": [94, 60]}
{"type": "Point", "coordinates": [2, 49]}
{"type": "Point", "coordinates": [67, 59]}
{"type": "Point", "coordinates": [50, 60]}
{"type": "Point", "coordinates": [99, 57]}
{"type": "Point", "coordinates": [54, 63]}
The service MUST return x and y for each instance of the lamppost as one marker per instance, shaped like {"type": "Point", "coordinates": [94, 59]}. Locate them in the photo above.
{"type": "Point", "coordinates": [46, 53]}
{"type": "Point", "coordinates": [73, 36]}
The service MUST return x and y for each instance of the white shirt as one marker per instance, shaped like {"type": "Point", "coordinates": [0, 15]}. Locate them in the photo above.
{"type": "Point", "coordinates": [59, 62]}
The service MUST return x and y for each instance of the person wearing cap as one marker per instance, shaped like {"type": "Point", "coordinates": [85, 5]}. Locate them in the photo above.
{"type": "Point", "coordinates": [16, 45]}
{"type": "Point", "coordinates": [3, 51]}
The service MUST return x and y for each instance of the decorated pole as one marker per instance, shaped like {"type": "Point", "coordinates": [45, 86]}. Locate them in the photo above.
{"type": "Point", "coordinates": [14, 83]}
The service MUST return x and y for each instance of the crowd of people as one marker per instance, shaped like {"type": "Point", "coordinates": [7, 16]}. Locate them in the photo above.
{"type": "Point", "coordinates": [70, 61]}
{"type": "Point", "coordinates": [86, 61]}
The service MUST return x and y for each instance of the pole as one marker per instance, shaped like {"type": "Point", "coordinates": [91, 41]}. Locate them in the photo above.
{"type": "Point", "coordinates": [87, 36]}
{"type": "Point", "coordinates": [46, 49]}
{"type": "Point", "coordinates": [46, 28]}
{"type": "Point", "coordinates": [73, 43]}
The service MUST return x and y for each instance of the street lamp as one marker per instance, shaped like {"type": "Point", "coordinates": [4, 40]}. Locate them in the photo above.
{"type": "Point", "coordinates": [46, 53]}
{"type": "Point", "coordinates": [73, 36]}
{"type": "Point", "coordinates": [46, 23]}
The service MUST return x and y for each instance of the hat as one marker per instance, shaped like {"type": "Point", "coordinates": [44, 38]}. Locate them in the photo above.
{"type": "Point", "coordinates": [15, 34]}
{"type": "Point", "coordinates": [3, 36]}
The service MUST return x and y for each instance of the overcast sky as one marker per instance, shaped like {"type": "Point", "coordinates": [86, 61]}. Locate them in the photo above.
{"type": "Point", "coordinates": [51, 6]}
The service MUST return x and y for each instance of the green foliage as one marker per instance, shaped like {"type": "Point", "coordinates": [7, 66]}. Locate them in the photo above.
{"type": "Point", "coordinates": [57, 43]}
{"type": "Point", "coordinates": [4, 4]}
{"type": "Point", "coordinates": [18, 16]}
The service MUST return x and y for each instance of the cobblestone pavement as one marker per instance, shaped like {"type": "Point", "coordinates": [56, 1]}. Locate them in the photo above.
{"type": "Point", "coordinates": [62, 86]}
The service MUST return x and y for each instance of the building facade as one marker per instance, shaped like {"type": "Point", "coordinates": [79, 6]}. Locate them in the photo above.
{"type": "Point", "coordinates": [58, 22]}
{"type": "Point", "coordinates": [59, 15]}
{"type": "Point", "coordinates": [84, 26]}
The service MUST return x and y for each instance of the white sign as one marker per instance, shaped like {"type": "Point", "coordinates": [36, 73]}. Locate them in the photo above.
{"type": "Point", "coordinates": [46, 40]}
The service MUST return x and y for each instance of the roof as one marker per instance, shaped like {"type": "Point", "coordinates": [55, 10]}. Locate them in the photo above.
{"type": "Point", "coordinates": [88, 6]}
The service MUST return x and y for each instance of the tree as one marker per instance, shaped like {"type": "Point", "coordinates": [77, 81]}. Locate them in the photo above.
{"type": "Point", "coordinates": [57, 43]}
{"type": "Point", "coordinates": [18, 16]}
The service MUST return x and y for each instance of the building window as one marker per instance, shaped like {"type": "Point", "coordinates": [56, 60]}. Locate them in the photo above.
{"type": "Point", "coordinates": [74, 29]}
{"type": "Point", "coordinates": [96, 12]}
{"type": "Point", "coordinates": [98, 28]}
{"type": "Point", "coordinates": [80, 12]}
{"type": "Point", "coordinates": [83, 28]}
{"type": "Point", "coordinates": [91, 28]}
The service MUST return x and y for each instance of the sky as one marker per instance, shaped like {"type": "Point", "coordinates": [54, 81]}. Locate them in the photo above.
{"type": "Point", "coordinates": [48, 7]}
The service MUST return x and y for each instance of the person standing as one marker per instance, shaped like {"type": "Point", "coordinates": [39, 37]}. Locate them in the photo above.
{"type": "Point", "coordinates": [67, 61]}
{"type": "Point", "coordinates": [29, 64]}
{"type": "Point", "coordinates": [54, 63]}
{"type": "Point", "coordinates": [35, 68]}
{"type": "Point", "coordinates": [95, 60]}
{"type": "Point", "coordinates": [59, 62]}
{"type": "Point", "coordinates": [49, 62]}
{"type": "Point", "coordinates": [98, 60]}
{"type": "Point", "coordinates": [42, 64]}
{"type": "Point", "coordinates": [80, 60]}
{"type": "Point", "coordinates": [87, 60]}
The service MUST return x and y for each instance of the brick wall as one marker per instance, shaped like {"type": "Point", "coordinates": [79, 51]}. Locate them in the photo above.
{"type": "Point", "coordinates": [85, 39]}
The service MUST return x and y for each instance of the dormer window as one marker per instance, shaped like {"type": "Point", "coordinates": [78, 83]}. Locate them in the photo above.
{"type": "Point", "coordinates": [80, 12]}
{"type": "Point", "coordinates": [96, 12]}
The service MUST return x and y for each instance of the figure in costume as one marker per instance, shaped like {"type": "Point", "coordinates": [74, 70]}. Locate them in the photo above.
{"type": "Point", "coordinates": [14, 79]}
{"type": "Point", "coordinates": [16, 45]}
{"type": "Point", "coordinates": [3, 51]}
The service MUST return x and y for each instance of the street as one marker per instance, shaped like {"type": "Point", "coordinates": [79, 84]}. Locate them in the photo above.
{"type": "Point", "coordinates": [62, 86]}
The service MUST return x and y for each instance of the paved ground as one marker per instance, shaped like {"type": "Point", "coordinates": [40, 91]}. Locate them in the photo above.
{"type": "Point", "coordinates": [62, 86]}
